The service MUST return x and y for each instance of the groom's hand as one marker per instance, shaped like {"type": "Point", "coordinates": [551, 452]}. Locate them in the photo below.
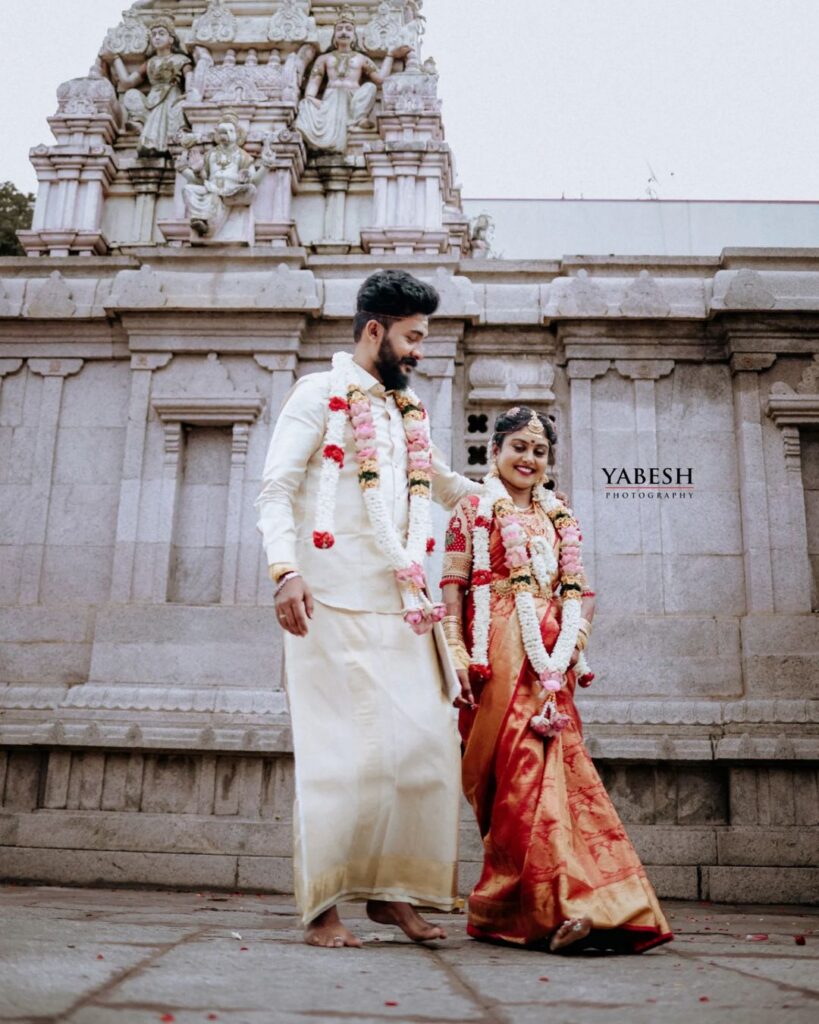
{"type": "Point", "coordinates": [294, 606]}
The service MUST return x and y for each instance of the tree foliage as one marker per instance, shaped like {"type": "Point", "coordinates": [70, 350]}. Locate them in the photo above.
{"type": "Point", "coordinates": [16, 211]}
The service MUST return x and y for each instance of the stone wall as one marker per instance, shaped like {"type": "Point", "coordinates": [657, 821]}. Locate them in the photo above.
{"type": "Point", "coordinates": [142, 715]}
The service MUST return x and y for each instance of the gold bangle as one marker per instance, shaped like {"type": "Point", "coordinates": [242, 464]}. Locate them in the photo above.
{"type": "Point", "coordinates": [460, 655]}
{"type": "Point", "coordinates": [453, 628]}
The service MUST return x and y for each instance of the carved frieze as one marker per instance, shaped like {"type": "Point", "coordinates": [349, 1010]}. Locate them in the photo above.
{"type": "Point", "coordinates": [748, 291]}
{"type": "Point", "coordinates": [250, 82]}
{"type": "Point", "coordinates": [137, 288]}
{"type": "Point", "coordinates": [395, 24]}
{"type": "Point", "coordinates": [129, 38]}
{"type": "Point", "coordinates": [644, 298]}
{"type": "Point", "coordinates": [216, 25]}
{"type": "Point", "coordinates": [580, 296]}
{"type": "Point", "coordinates": [292, 23]}
{"type": "Point", "coordinates": [205, 396]}
{"type": "Point", "coordinates": [87, 97]}
{"type": "Point", "coordinates": [456, 294]}
{"type": "Point", "coordinates": [53, 298]}
{"type": "Point", "coordinates": [290, 289]}
{"type": "Point", "coordinates": [411, 94]}
{"type": "Point", "coordinates": [523, 379]}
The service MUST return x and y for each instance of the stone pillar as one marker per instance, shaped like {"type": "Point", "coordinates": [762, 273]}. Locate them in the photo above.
{"type": "Point", "coordinates": [644, 373]}
{"type": "Point", "coordinates": [53, 372]}
{"type": "Point", "coordinates": [168, 498]}
{"type": "Point", "coordinates": [800, 597]}
{"type": "Point", "coordinates": [435, 376]}
{"type": "Point", "coordinates": [142, 367]}
{"type": "Point", "coordinates": [335, 174]}
{"type": "Point", "coordinates": [409, 190]}
{"type": "Point", "coordinates": [233, 526]}
{"type": "Point", "coordinates": [282, 368]}
{"type": "Point", "coordinates": [790, 410]}
{"type": "Point", "coordinates": [581, 372]}
{"type": "Point", "coordinates": [146, 179]}
{"type": "Point", "coordinates": [753, 487]}
{"type": "Point", "coordinates": [274, 203]}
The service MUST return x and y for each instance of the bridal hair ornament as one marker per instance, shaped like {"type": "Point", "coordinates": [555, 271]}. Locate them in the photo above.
{"type": "Point", "coordinates": [535, 425]}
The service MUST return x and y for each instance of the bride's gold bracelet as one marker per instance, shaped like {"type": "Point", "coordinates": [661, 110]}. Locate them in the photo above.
{"type": "Point", "coordinates": [453, 631]}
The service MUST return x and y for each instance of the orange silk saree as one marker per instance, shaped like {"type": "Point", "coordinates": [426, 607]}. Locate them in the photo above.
{"type": "Point", "coordinates": [554, 846]}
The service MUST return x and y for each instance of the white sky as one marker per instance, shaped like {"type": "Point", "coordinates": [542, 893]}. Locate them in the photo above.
{"type": "Point", "coordinates": [545, 97]}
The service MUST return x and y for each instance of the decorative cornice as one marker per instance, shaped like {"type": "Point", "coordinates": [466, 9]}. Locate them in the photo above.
{"type": "Point", "coordinates": [208, 411]}
{"type": "Point", "coordinates": [789, 409]}
{"type": "Point", "coordinates": [587, 369]}
{"type": "Point", "coordinates": [644, 369]}
{"type": "Point", "coordinates": [55, 367]}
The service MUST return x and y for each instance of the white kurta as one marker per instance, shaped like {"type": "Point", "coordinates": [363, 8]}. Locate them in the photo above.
{"type": "Point", "coordinates": [375, 743]}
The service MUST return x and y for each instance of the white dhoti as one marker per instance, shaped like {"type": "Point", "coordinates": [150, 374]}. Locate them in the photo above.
{"type": "Point", "coordinates": [325, 126]}
{"type": "Point", "coordinates": [377, 764]}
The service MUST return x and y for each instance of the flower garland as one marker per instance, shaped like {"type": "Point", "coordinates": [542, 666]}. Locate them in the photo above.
{"type": "Point", "coordinates": [530, 572]}
{"type": "Point", "coordinates": [350, 401]}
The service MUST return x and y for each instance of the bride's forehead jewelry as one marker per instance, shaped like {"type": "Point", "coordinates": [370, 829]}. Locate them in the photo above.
{"type": "Point", "coordinates": [536, 426]}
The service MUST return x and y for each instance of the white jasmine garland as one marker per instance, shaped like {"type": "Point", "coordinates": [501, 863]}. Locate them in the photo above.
{"type": "Point", "coordinates": [544, 562]}
{"type": "Point", "coordinates": [543, 565]}
{"type": "Point", "coordinates": [330, 470]}
{"type": "Point", "coordinates": [405, 559]}
{"type": "Point", "coordinates": [481, 593]}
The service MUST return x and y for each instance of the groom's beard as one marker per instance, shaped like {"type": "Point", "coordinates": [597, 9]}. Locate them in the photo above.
{"type": "Point", "coordinates": [394, 372]}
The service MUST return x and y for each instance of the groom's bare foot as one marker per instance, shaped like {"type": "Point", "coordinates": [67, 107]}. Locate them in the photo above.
{"type": "Point", "coordinates": [571, 931]}
{"type": "Point", "coordinates": [405, 917]}
{"type": "Point", "coordinates": [327, 930]}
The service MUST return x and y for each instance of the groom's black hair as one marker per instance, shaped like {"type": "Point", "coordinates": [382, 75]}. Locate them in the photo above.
{"type": "Point", "coordinates": [389, 295]}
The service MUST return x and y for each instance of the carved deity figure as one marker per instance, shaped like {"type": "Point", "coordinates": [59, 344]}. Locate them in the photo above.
{"type": "Point", "coordinates": [227, 177]}
{"type": "Point", "coordinates": [348, 101]}
{"type": "Point", "coordinates": [158, 116]}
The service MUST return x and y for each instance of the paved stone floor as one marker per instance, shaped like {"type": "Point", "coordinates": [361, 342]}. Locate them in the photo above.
{"type": "Point", "coordinates": [84, 956]}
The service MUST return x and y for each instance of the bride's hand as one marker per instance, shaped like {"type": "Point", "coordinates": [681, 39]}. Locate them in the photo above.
{"type": "Point", "coordinates": [466, 699]}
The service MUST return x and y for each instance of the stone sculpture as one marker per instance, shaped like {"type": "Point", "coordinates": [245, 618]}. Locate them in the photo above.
{"type": "Point", "coordinates": [203, 65]}
{"type": "Point", "coordinates": [88, 96]}
{"type": "Point", "coordinates": [158, 116]}
{"type": "Point", "coordinates": [130, 36]}
{"type": "Point", "coordinates": [216, 25]}
{"type": "Point", "coordinates": [292, 23]}
{"type": "Point", "coordinates": [348, 101]}
{"type": "Point", "coordinates": [644, 298]}
{"type": "Point", "coordinates": [481, 233]}
{"type": "Point", "coordinates": [226, 178]}
{"type": "Point", "coordinates": [395, 23]}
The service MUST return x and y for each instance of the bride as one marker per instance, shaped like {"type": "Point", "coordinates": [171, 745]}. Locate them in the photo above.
{"type": "Point", "coordinates": [558, 871]}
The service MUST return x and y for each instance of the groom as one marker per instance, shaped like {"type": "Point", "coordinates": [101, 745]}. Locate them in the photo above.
{"type": "Point", "coordinates": [344, 515]}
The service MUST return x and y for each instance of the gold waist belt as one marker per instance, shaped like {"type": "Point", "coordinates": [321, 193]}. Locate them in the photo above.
{"type": "Point", "coordinates": [504, 586]}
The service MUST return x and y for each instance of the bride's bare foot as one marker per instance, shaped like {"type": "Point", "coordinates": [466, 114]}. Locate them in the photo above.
{"type": "Point", "coordinates": [571, 931]}
{"type": "Point", "coordinates": [327, 930]}
{"type": "Point", "coordinates": [405, 917]}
